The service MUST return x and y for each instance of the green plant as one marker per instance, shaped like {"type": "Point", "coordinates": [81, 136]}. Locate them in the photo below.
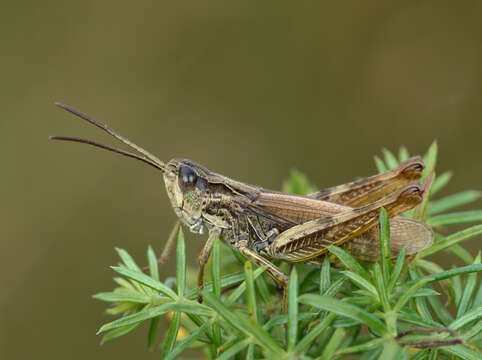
{"type": "Point", "coordinates": [412, 308]}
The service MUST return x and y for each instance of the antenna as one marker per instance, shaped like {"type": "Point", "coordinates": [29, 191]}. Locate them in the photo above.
{"type": "Point", "coordinates": [147, 158]}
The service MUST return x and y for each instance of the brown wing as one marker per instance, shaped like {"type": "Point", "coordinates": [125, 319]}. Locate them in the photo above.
{"type": "Point", "coordinates": [312, 238]}
{"type": "Point", "coordinates": [290, 210]}
{"type": "Point", "coordinates": [365, 191]}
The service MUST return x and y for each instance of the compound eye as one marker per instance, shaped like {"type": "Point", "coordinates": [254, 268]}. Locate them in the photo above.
{"type": "Point", "coordinates": [187, 176]}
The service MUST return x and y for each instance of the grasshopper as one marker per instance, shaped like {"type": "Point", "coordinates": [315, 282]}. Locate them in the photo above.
{"type": "Point", "coordinates": [265, 225]}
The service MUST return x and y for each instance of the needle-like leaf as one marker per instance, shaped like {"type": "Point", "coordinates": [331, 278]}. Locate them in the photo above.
{"type": "Point", "coordinates": [234, 349]}
{"type": "Point", "coordinates": [403, 154]}
{"type": "Point", "coordinates": [123, 295]}
{"type": "Point", "coordinates": [216, 278]}
{"type": "Point", "coordinates": [397, 269]}
{"type": "Point", "coordinates": [333, 344]}
{"type": "Point", "coordinates": [349, 261]}
{"type": "Point", "coordinates": [462, 352]}
{"type": "Point", "coordinates": [452, 201]}
{"type": "Point", "coordinates": [343, 309]}
{"type": "Point", "coordinates": [409, 293]}
{"type": "Point", "coordinates": [251, 292]}
{"type": "Point", "coordinates": [452, 240]}
{"type": "Point", "coordinates": [325, 279]}
{"type": "Point", "coordinates": [151, 336]}
{"type": "Point", "coordinates": [468, 317]}
{"type": "Point", "coordinates": [456, 218]}
{"type": "Point", "coordinates": [145, 280]}
{"type": "Point", "coordinates": [243, 324]}
{"type": "Point", "coordinates": [186, 342]}
{"type": "Point", "coordinates": [385, 246]}
{"type": "Point", "coordinates": [152, 260]}
{"type": "Point", "coordinates": [430, 160]}
{"type": "Point", "coordinates": [292, 310]}
{"type": "Point", "coordinates": [469, 288]}
{"type": "Point", "coordinates": [171, 337]}
{"type": "Point", "coordinates": [114, 334]}
{"type": "Point", "coordinates": [127, 259]}
{"type": "Point", "coordinates": [181, 264]}
{"type": "Point", "coordinates": [381, 167]}
{"type": "Point", "coordinates": [380, 284]}
{"type": "Point", "coordinates": [362, 282]}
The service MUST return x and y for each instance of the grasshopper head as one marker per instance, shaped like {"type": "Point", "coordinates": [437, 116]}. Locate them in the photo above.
{"type": "Point", "coordinates": [186, 187]}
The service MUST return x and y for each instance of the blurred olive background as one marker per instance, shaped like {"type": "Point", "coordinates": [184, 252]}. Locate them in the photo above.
{"type": "Point", "coordinates": [250, 89]}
